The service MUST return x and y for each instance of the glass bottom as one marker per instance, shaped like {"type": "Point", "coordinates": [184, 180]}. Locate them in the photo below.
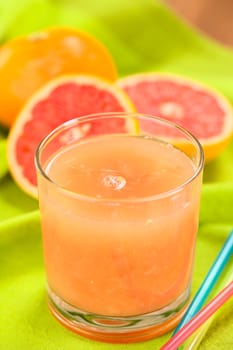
{"type": "Point", "coordinates": [118, 329]}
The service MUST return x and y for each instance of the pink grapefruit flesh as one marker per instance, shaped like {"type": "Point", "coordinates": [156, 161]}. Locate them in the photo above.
{"type": "Point", "coordinates": [203, 112]}
{"type": "Point", "coordinates": [58, 101]}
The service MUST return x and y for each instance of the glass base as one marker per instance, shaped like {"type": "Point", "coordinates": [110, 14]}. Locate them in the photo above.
{"type": "Point", "coordinates": [118, 329]}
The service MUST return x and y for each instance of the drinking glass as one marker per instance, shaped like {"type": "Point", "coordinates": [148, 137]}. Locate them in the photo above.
{"type": "Point", "coordinates": [119, 198]}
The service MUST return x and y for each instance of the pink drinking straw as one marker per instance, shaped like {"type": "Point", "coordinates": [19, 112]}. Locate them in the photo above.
{"type": "Point", "coordinates": [199, 318]}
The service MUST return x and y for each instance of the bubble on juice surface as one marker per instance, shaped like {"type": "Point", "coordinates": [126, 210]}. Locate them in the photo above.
{"type": "Point", "coordinates": [116, 182]}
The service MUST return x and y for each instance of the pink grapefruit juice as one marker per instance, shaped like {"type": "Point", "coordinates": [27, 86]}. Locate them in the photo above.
{"type": "Point", "coordinates": [119, 231]}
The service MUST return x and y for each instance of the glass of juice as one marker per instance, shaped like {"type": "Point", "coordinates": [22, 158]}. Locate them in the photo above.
{"type": "Point", "coordinates": [119, 198]}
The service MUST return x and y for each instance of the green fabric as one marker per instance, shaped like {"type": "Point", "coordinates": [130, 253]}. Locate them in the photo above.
{"type": "Point", "coordinates": [142, 35]}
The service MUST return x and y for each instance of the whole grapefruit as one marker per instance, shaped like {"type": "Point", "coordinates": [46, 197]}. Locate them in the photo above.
{"type": "Point", "coordinates": [26, 63]}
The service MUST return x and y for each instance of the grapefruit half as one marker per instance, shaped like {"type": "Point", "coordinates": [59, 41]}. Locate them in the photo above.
{"type": "Point", "coordinates": [60, 100]}
{"type": "Point", "coordinates": [201, 110]}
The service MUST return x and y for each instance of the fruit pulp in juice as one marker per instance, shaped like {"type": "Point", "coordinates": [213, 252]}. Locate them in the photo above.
{"type": "Point", "coordinates": [119, 237]}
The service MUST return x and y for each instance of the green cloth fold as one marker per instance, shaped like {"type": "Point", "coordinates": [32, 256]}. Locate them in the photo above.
{"type": "Point", "coordinates": [142, 35]}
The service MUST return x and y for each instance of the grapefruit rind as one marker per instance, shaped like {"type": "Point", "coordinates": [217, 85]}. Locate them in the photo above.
{"type": "Point", "coordinates": [213, 146]}
{"type": "Point", "coordinates": [15, 169]}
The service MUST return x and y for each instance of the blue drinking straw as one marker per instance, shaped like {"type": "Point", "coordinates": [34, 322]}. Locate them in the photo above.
{"type": "Point", "coordinates": [209, 282]}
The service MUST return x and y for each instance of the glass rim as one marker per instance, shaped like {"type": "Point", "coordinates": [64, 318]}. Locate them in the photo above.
{"type": "Point", "coordinates": [103, 115]}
